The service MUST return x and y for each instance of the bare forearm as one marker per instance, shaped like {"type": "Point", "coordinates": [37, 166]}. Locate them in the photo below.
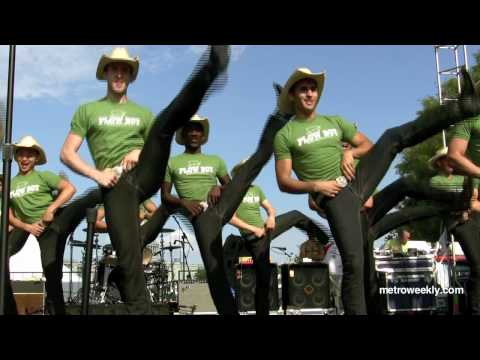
{"type": "Point", "coordinates": [17, 223]}
{"type": "Point", "coordinates": [240, 224]}
{"type": "Point", "coordinates": [294, 186]}
{"type": "Point", "coordinates": [76, 164]}
{"type": "Point", "coordinates": [464, 165]}
{"type": "Point", "coordinates": [62, 198]}
{"type": "Point", "coordinates": [172, 200]}
{"type": "Point", "coordinates": [361, 150]}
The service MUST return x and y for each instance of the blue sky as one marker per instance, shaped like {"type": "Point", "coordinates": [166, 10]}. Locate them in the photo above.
{"type": "Point", "coordinates": [377, 87]}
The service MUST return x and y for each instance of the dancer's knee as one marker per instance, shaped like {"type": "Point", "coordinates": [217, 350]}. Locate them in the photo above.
{"type": "Point", "coordinates": [392, 139]}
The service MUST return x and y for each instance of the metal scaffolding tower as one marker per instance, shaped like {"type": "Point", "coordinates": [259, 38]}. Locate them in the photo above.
{"type": "Point", "coordinates": [448, 73]}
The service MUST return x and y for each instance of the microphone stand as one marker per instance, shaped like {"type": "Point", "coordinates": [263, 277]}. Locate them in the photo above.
{"type": "Point", "coordinates": [7, 156]}
{"type": "Point", "coordinates": [184, 257]}
{"type": "Point", "coordinates": [91, 218]}
{"type": "Point", "coordinates": [70, 300]}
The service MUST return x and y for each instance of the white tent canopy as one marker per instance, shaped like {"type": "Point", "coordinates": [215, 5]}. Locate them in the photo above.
{"type": "Point", "coordinates": [27, 264]}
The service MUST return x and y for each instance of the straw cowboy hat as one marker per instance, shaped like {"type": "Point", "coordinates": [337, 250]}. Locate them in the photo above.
{"type": "Point", "coordinates": [118, 55]}
{"type": "Point", "coordinates": [29, 142]}
{"type": "Point", "coordinates": [236, 167]}
{"type": "Point", "coordinates": [438, 155]}
{"type": "Point", "coordinates": [284, 103]}
{"type": "Point", "coordinates": [195, 119]}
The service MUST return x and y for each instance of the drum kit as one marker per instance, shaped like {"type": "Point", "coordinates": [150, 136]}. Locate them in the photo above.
{"type": "Point", "coordinates": [162, 287]}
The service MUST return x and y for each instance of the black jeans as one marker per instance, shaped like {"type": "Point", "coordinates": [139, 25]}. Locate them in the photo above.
{"type": "Point", "coordinates": [468, 235]}
{"type": "Point", "coordinates": [343, 211]}
{"type": "Point", "coordinates": [121, 202]}
{"type": "Point", "coordinates": [208, 225]}
{"type": "Point", "coordinates": [52, 247]}
{"type": "Point", "coordinates": [259, 249]}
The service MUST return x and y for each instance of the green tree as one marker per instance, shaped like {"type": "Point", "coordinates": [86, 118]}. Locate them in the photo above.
{"type": "Point", "coordinates": [201, 274]}
{"type": "Point", "coordinates": [414, 161]}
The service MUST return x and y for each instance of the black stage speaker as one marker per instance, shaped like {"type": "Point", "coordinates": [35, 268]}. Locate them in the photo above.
{"type": "Point", "coordinates": [117, 309]}
{"type": "Point", "coordinates": [306, 286]}
{"type": "Point", "coordinates": [245, 282]}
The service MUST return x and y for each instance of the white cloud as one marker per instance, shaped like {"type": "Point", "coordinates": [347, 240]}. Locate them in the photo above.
{"type": "Point", "coordinates": [237, 50]}
{"type": "Point", "coordinates": [60, 72]}
{"type": "Point", "coordinates": [67, 72]}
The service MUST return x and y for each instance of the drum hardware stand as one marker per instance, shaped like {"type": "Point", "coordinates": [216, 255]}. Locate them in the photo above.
{"type": "Point", "coordinates": [70, 286]}
{"type": "Point", "coordinates": [184, 257]}
{"type": "Point", "coordinates": [7, 156]}
{"type": "Point", "coordinates": [87, 270]}
{"type": "Point", "coordinates": [96, 254]}
{"type": "Point", "coordinates": [172, 280]}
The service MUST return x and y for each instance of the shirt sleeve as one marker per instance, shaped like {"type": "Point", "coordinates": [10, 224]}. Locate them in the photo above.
{"type": "Point", "coordinates": [222, 168]}
{"type": "Point", "coordinates": [52, 180]}
{"type": "Point", "coordinates": [150, 119]}
{"type": "Point", "coordinates": [349, 130]}
{"type": "Point", "coordinates": [280, 147]}
{"type": "Point", "coordinates": [462, 130]}
{"type": "Point", "coordinates": [262, 195]}
{"type": "Point", "coordinates": [79, 124]}
{"type": "Point", "coordinates": [168, 174]}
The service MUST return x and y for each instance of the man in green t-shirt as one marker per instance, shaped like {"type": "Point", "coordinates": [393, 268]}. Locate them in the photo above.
{"type": "Point", "coordinates": [464, 158]}
{"type": "Point", "coordinates": [310, 146]}
{"type": "Point", "coordinates": [209, 205]}
{"type": "Point", "coordinates": [33, 209]}
{"type": "Point", "coordinates": [130, 151]}
{"type": "Point", "coordinates": [257, 234]}
{"type": "Point", "coordinates": [399, 245]}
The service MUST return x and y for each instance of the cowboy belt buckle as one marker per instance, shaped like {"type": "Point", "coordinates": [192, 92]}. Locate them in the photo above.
{"type": "Point", "coordinates": [341, 181]}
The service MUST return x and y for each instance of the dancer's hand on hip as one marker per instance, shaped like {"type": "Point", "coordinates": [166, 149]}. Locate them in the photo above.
{"type": "Point", "coordinates": [107, 178]}
{"type": "Point", "coordinates": [270, 223]}
{"type": "Point", "coordinates": [131, 159]}
{"type": "Point", "coordinates": [259, 232]}
{"type": "Point", "coordinates": [328, 188]}
{"type": "Point", "coordinates": [193, 207]}
{"type": "Point", "coordinates": [47, 217]}
{"type": "Point", "coordinates": [36, 229]}
{"type": "Point", "coordinates": [214, 195]}
{"type": "Point", "coordinates": [348, 165]}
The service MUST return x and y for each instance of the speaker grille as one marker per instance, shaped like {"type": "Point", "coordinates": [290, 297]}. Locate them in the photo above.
{"type": "Point", "coordinates": [245, 284]}
{"type": "Point", "coordinates": [306, 286]}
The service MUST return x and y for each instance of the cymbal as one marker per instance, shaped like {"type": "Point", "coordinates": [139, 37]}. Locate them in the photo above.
{"type": "Point", "coordinates": [77, 243]}
{"type": "Point", "coordinates": [171, 248]}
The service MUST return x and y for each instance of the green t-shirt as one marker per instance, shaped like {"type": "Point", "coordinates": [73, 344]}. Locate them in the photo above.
{"type": "Point", "coordinates": [112, 130]}
{"type": "Point", "coordinates": [249, 209]}
{"type": "Point", "coordinates": [32, 194]}
{"type": "Point", "coordinates": [315, 147]}
{"type": "Point", "coordinates": [469, 130]}
{"type": "Point", "coordinates": [396, 246]}
{"type": "Point", "coordinates": [452, 184]}
{"type": "Point", "coordinates": [193, 175]}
